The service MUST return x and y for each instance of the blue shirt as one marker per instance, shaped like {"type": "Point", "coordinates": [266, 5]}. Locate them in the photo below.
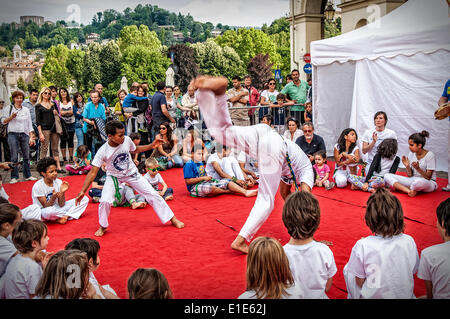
{"type": "Point", "coordinates": [130, 98]}
{"type": "Point", "coordinates": [158, 116]}
{"type": "Point", "coordinates": [91, 112]}
{"type": "Point", "coordinates": [446, 92]}
{"type": "Point", "coordinates": [193, 170]}
{"type": "Point", "coordinates": [102, 100]}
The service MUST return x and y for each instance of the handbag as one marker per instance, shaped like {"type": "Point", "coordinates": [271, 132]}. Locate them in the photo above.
{"type": "Point", "coordinates": [4, 127]}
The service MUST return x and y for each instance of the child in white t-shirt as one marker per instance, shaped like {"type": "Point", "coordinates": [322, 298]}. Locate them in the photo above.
{"type": "Point", "coordinates": [312, 263]}
{"type": "Point", "coordinates": [23, 272]}
{"type": "Point", "coordinates": [92, 247]}
{"type": "Point", "coordinates": [420, 168]}
{"type": "Point", "coordinates": [120, 168]}
{"type": "Point", "coordinates": [434, 266]}
{"type": "Point", "coordinates": [382, 266]}
{"type": "Point", "coordinates": [346, 156]}
{"type": "Point", "coordinates": [49, 194]}
{"type": "Point", "coordinates": [154, 178]}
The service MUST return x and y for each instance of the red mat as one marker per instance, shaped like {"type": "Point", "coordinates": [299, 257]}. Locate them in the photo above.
{"type": "Point", "coordinates": [197, 260]}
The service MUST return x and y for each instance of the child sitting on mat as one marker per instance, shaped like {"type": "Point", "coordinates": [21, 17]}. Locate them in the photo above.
{"type": "Point", "coordinates": [435, 260]}
{"type": "Point", "coordinates": [82, 159]}
{"type": "Point", "coordinates": [382, 266]}
{"type": "Point", "coordinates": [322, 171]}
{"type": "Point", "coordinates": [268, 272]}
{"type": "Point", "coordinates": [148, 283]}
{"type": "Point", "coordinates": [385, 161]}
{"type": "Point", "coordinates": [201, 185]}
{"type": "Point", "coordinates": [312, 263]}
{"type": "Point", "coordinates": [154, 178]}
{"type": "Point", "coordinates": [91, 247]}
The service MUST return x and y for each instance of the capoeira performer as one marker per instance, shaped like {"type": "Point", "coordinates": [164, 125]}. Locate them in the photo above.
{"type": "Point", "coordinates": [120, 168]}
{"type": "Point", "coordinates": [281, 162]}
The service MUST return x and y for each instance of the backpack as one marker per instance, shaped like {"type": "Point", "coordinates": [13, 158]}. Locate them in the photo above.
{"type": "Point", "coordinates": [4, 127]}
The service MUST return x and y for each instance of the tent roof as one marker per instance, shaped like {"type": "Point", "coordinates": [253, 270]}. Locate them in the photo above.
{"type": "Point", "coordinates": [416, 26]}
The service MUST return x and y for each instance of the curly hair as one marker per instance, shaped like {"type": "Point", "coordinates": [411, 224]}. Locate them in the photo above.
{"type": "Point", "coordinates": [388, 148]}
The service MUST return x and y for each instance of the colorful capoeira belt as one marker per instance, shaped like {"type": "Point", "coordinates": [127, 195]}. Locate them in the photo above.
{"type": "Point", "coordinates": [288, 160]}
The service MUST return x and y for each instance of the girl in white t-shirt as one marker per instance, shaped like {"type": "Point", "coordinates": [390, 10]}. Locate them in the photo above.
{"type": "Point", "coordinates": [434, 266]}
{"type": "Point", "coordinates": [382, 266]}
{"type": "Point", "coordinates": [268, 272]}
{"type": "Point", "coordinates": [420, 168]}
{"type": "Point", "coordinates": [346, 155]}
{"type": "Point", "coordinates": [312, 263]}
{"type": "Point", "coordinates": [10, 216]}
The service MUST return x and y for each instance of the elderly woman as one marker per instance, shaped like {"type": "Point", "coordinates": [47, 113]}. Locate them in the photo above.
{"type": "Point", "coordinates": [20, 135]}
{"type": "Point", "coordinates": [46, 111]}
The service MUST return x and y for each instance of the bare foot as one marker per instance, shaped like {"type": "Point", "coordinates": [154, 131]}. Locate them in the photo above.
{"type": "Point", "coordinates": [170, 197]}
{"type": "Point", "coordinates": [326, 242]}
{"type": "Point", "coordinates": [353, 187]}
{"type": "Point", "coordinates": [251, 193]}
{"type": "Point", "coordinates": [412, 193]}
{"type": "Point", "coordinates": [137, 205]}
{"type": "Point", "coordinates": [176, 222]}
{"type": "Point", "coordinates": [216, 84]}
{"type": "Point", "coordinates": [240, 245]}
{"type": "Point", "coordinates": [62, 220]}
{"type": "Point", "coordinates": [100, 232]}
{"type": "Point", "coordinates": [372, 190]}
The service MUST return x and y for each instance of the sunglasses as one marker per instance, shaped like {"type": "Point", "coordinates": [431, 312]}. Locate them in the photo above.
{"type": "Point", "coordinates": [271, 83]}
{"type": "Point", "coordinates": [307, 131]}
{"type": "Point", "coordinates": [153, 169]}
{"type": "Point", "coordinates": [163, 128]}
{"type": "Point", "coordinates": [46, 93]}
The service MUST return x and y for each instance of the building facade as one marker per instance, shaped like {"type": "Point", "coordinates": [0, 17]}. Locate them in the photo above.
{"type": "Point", "coordinates": [36, 19]}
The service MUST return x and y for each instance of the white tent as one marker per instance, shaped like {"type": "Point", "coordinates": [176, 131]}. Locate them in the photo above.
{"type": "Point", "coordinates": [398, 64]}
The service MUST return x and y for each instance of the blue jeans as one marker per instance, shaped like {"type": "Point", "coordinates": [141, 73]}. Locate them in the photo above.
{"type": "Point", "coordinates": [80, 136]}
{"type": "Point", "coordinates": [19, 141]}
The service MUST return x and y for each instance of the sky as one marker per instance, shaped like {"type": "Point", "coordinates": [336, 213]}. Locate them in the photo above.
{"type": "Point", "coordinates": [230, 12]}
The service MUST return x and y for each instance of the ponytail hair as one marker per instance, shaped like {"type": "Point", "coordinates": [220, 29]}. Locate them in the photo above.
{"type": "Point", "coordinates": [419, 138]}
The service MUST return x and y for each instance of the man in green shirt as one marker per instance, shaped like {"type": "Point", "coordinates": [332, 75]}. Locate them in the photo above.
{"type": "Point", "coordinates": [297, 91]}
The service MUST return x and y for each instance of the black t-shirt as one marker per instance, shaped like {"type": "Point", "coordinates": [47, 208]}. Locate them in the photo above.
{"type": "Point", "coordinates": [45, 117]}
{"type": "Point", "coordinates": [100, 178]}
{"type": "Point", "coordinates": [317, 144]}
{"type": "Point", "coordinates": [157, 115]}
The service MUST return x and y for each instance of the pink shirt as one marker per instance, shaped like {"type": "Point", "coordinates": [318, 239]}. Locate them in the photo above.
{"type": "Point", "coordinates": [322, 171]}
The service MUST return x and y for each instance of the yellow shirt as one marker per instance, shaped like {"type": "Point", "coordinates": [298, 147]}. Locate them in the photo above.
{"type": "Point", "coordinates": [118, 107]}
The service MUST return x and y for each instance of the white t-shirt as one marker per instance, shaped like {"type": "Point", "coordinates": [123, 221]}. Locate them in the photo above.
{"type": "Point", "coordinates": [435, 266]}
{"type": "Point", "coordinates": [7, 249]}
{"type": "Point", "coordinates": [93, 281]}
{"type": "Point", "coordinates": [428, 162]}
{"type": "Point", "coordinates": [209, 169]}
{"type": "Point", "coordinates": [250, 163]}
{"type": "Point", "coordinates": [388, 264]}
{"type": "Point", "coordinates": [386, 165]}
{"type": "Point", "coordinates": [21, 278]}
{"type": "Point", "coordinates": [294, 292]}
{"type": "Point", "coordinates": [367, 137]}
{"type": "Point", "coordinates": [119, 162]}
{"type": "Point", "coordinates": [269, 96]}
{"type": "Point", "coordinates": [336, 146]}
{"type": "Point", "coordinates": [172, 107]}
{"type": "Point", "coordinates": [69, 119]}
{"type": "Point", "coordinates": [311, 265]}
{"type": "Point", "coordinates": [154, 181]}
{"type": "Point", "coordinates": [40, 189]}
{"type": "Point", "coordinates": [298, 158]}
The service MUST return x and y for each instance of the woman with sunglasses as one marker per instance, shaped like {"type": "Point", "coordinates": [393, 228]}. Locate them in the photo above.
{"type": "Point", "coordinates": [167, 153]}
{"type": "Point", "coordinates": [268, 97]}
{"type": "Point", "coordinates": [292, 132]}
{"type": "Point", "coordinates": [45, 120]}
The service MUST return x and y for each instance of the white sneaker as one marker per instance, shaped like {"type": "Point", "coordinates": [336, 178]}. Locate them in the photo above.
{"type": "Point", "coordinates": [13, 181]}
{"type": "Point", "coordinates": [31, 178]}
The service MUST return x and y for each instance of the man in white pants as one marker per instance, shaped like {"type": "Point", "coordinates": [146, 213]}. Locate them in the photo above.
{"type": "Point", "coordinates": [260, 141]}
{"type": "Point", "coordinates": [120, 168]}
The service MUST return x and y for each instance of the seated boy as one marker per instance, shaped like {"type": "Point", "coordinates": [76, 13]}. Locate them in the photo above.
{"type": "Point", "coordinates": [201, 185]}
{"type": "Point", "coordinates": [120, 168]}
{"type": "Point", "coordinates": [154, 178]}
{"type": "Point", "coordinates": [126, 192]}
{"type": "Point", "coordinates": [49, 194]}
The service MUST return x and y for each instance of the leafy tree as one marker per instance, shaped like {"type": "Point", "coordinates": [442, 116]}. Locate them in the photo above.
{"type": "Point", "coordinates": [184, 59]}
{"type": "Point", "coordinates": [92, 66]}
{"type": "Point", "coordinates": [110, 58]}
{"type": "Point", "coordinates": [37, 81]}
{"type": "Point", "coordinates": [260, 70]}
{"type": "Point", "coordinates": [332, 28]}
{"type": "Point", "coordinates": [54, 69]}
{"type": "Point", "coordinates": [75, 65]}
{"type": "Point", "coordinates": [132, 35]}
{"type": "Point", "coordinates": [21, 84]}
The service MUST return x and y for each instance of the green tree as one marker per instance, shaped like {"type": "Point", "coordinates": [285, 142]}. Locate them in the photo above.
{"type": "Point", "coordinates": [55, 69]}
{"type": "Point", "coordinates": [332, 28]}
{"type": "Point", "coordinates": [37, 81]}
{"type": "Point", "coordinates": [75, 65]}
{"type": "Point", "coordinates": [92, 66]}
{"type": "Point", "coordinates": [21, 84]}
{"type": "Point", "coordinates": [140, 63]}
{"type": "Point", "coordinates": [132, 35]}
{"type": "Point", "coordinates": [110, 58]}
{"type": "Point", "coordinates": [248, 43]}
{"type": "Point", "coordinates": [184, 59]}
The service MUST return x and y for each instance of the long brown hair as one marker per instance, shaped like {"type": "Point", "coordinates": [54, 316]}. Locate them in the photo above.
{"type": "Point", "coordinates": [268, 272]}
{"type": "Point", "coordinates": [148, 283]}
{"type": "Point", "coordinates": [58, 280]}
{"type": "Point", "coordinates": [384, 214]}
